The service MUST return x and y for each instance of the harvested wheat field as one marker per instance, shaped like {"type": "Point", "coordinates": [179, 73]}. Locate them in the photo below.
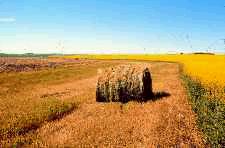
{"type": "Point", "coordinates": [165, 120]}
{"type": "Point", "coordinates": [113, 73]}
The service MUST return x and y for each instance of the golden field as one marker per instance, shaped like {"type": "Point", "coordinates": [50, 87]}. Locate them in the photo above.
{"type": "Point", "coordinates": [209, 69]}
{"type": "Point", "coordinates": [57, 107]}
{"type": "Point", "coordinates": [52, 103]}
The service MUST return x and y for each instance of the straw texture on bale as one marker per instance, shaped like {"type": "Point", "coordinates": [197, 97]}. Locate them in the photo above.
{"type": "Point", "coordinates": [124, 83]}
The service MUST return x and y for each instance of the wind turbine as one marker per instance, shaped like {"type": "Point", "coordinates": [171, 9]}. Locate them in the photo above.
{"type": "Point", "coordinates": [60, 47]}
{"type": "Point", "coordinates": [223, 39]}
{"type": "Point", "coordinates": [189, 42]}
{"type": "Point", "coordinates": [145, 51]}
{"type": "Point", "coordinates": [214, 43]}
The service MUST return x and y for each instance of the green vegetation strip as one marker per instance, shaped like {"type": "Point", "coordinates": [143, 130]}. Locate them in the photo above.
{"type": "Point", "coordinates": [210, 113]}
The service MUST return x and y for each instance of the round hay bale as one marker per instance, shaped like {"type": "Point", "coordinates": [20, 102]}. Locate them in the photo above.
{"type": "Point", "coordinates": [124, 83]}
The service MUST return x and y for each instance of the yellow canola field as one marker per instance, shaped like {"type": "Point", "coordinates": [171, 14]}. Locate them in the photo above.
{"type": "Point", "coordinates": [208, 68]}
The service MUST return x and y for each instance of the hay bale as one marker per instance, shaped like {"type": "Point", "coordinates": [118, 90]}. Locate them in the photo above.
{"type": "Point", "coordinates": [124, 83]}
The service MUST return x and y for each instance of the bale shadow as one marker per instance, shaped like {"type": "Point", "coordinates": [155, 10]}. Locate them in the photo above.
{"type": "Point", "coordinates": [159, 95]}
{"type": "Point", "coordinates": [155, 96]}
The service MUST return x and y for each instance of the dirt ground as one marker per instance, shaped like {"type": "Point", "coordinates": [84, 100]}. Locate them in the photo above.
{"type": "Point", "coordinates": [11, 64]}
{"type": "Point", "coordinates": [167, 121]}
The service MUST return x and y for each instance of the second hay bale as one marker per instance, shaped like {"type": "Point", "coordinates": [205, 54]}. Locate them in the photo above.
{"type": "Point", "coordinates": [124, 83]}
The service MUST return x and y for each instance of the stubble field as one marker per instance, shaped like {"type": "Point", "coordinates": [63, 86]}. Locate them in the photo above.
{"type": "Point", "coordinates": [55, 106]}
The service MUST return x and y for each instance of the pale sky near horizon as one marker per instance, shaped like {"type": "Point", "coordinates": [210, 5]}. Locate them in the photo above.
{"type": "Point", "coordinates": [111, 26]}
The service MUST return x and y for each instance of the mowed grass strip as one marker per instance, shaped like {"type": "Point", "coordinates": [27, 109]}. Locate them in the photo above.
{"type": "Point", "coordinates": [21, 112]}
{"type": "Point", "coordinates": [44, 110]}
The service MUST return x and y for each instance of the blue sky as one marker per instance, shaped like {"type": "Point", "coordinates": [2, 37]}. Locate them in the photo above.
{"type": "Point", "coordinates": [111, 26]}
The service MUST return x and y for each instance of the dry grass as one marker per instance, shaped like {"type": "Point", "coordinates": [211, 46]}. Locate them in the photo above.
{"type": "Point", "coordinates": [164, 122]}
{"type": "Point", "coordinates": [204, 76]}
{"type": "Point", "coordinates": [24, 100]}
